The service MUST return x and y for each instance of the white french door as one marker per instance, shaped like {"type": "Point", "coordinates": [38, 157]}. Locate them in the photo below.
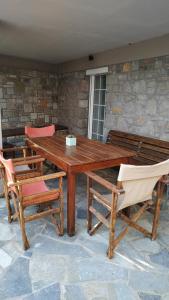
{"type": "Point", "coordinates": [97, 106]}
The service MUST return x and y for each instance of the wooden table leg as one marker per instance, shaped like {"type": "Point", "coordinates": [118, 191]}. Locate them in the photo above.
{"type": "Point", "coordinates": [71, 189]}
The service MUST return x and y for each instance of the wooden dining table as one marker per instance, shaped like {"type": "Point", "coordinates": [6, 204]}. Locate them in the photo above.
{"type": "Point", "coordinates": [87, 155]}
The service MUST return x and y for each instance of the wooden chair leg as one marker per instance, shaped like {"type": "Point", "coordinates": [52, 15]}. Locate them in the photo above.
{"type": "Point", "coordinates": [8, 205]}
{"type": "Point", "coordinates": [89, 203]}
{"type": "Point", "coordinates": [111, 247]}
{"type": "Point", "coordinates": [160, 191]}
{"type": "Point", "coordinates": [22, 224]}
{"type": "Point", "coordinates": [61, 215]}
{"type": "Point", "coordinates": [15, 215]}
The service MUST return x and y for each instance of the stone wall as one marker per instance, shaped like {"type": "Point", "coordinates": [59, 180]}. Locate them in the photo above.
{"type": "Point", "coordinates": [73, 97]}
{"type": "Point", "coordinates": [27, 97]}
{"type": "Point", "coordinates": [138, 97]}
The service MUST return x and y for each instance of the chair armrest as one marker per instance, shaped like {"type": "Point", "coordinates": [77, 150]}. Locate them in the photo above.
{"type": "Point", "coordinates": [24, 162]}
{"type": "Point", "coordinates": [21, 148]}
{"type": "Point", "coordinates": [104, 182]}
{"type": "Point", "coordinates": [36, 179]}
{"type": "Point", "coordinates": [26, 158]}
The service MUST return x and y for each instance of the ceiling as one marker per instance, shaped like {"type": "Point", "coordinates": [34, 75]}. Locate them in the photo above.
{"type": "Point", "coordinates": [61, 30]}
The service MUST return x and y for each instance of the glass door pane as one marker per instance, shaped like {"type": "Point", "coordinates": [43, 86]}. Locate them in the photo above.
{"type": "Point", "coordinates": [98, 107]}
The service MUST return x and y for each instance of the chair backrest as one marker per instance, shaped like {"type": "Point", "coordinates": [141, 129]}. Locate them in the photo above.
{"type": "Point", "coordinates": [33, 132]}
{"type": "Point", "coordinates": [138, 182]}
{"type": "Point", "coordinates": [9, 169]}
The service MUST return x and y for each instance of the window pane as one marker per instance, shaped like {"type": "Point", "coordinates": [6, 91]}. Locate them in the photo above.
{"type": "Point", "coordinates": [102, 97]}
{"type": "Point", "coordinates": [100, 127]}
{"type": "Point", "coordinates": [97, 82]}
{"type": "Point", "coordinates": [103, 81]}
{"type": "Point", "coordinates": [95, 111]}
{"type": "Point", "coordinates": [96, 97]}
{"type": "Point", "coordinates": [94, 126]}
{"type": "Point", "coordinates": [101, 113]}
{"type": "Point", "coordinates": [94, 136]}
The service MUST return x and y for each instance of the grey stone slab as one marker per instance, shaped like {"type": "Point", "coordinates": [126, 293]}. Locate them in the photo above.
{"type": "Point", "coordinates": [134, 257]}
{"type": "Point", "coordinates": [6, 232]}
{"type": "Point", "coordinates": [46, 269]}
{"type": "Point", "coordinates": [51, 292]}
{"type": "Point", "coordinates": [13, 248]}
{"type": "Point", "coordinates": [5, 259]}
{"type": "Point", "coordinates": [46, 245]}
{"type": "Point", "coordinates": [81, 213]}
{"type": "Point", "coordinates": [161, 258]}
{"type": "Point", "coordinates": [164, 239]}
{"type": "Point", "coordinates": [32, 229]}
{"type": "Point", "coordinates": [103, 290]}
{"type": "Point", "coordinates": [97, 247]}
{"type": "Point", "coordinates": [165, 297]}
{"type": "Point", "coordinates": [50, 231]}
{"type": "Point", "coordinates": [149, 282]}
{"type": "Point", "coordinates": [146, 245]}
{"type": "Point", "coordinates": [16, 281]}
{"type": "Point", "coordinates": [144, 296]}
{"type": "Point", "coordinates": [73, 292]}
{"type": "Point", "coordinates": [124, 292]}
{"type": "Point", "coordinates": [95, 269]}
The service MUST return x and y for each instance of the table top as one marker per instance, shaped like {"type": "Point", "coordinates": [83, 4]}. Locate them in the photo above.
{"type": "Point", "coordinates": [84, 153]}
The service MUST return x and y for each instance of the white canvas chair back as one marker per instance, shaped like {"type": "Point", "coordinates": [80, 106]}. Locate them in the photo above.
{"type": "Point", "coordinates": [138, 182]}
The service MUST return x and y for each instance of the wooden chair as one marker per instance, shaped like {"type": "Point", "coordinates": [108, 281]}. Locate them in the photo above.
{"type": "Point", "coordinates": [33, 132]}
{"type": "Point", "coordinates": [20, 158]}
{"type": "Point", "coordinates": [32, 192]}
{"type": "Point", "coordinates": [22, 171]}
{"type": "Point", "coordinates": [135, 185]}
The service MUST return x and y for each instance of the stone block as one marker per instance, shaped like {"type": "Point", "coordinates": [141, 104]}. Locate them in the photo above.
{"type": "Point", "coordinates": [28, 108]}
{"type": "Point", "coordinates": [25, 119]}
{"type": "Point", "coordinates": [82, 123]}
{"type": "Point", "coordinates": [54, 120]}
{"type": "Point", "coordinates": [82, 96]}
{"type": "Point", "coordinates": [139, 87]}
{"type": "Point", "coordinates": [33, 116]}
{"type": "Point", "coordinates": [83, 103]}
{"type": "Point", "coordinates": [1, 93]}
{"type": "Point", "coordinates": [46, 119]}
{"type": "Point", "coordinates": [10, 90]}
{"type": "Point", "coordinates": [3, 105]}
{"type": "Point", "coordinates": [55, 106]}
{"type": "Point", "coordinates": [117, 110]}
{"type": "Point", "coordinates": [84, 86]}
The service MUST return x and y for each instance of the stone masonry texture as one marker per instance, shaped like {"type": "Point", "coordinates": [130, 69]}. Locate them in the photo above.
{"type": "Point", "coordinates": [137, 98]}
{"type": "Point", "coordinates": [73, 98]}
{"type": "Point", "coordinates": [27, 98]}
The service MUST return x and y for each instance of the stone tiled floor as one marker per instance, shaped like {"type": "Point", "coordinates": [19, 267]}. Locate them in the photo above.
{"type": "Point", "coordinates": [64, 268]}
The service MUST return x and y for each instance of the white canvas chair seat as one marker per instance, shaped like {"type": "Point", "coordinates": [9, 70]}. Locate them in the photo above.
{"type": "Point", "coordinates": [135, 185]}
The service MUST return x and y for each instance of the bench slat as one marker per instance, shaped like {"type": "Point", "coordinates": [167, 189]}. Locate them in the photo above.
{"type": "Point", "coordinates": [149, 150]}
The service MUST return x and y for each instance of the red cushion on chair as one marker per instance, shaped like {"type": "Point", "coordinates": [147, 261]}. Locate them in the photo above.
{"type": "Point", "coordinates": [33, 132]}
{"type": "Point", "coordinates": [34, 188]}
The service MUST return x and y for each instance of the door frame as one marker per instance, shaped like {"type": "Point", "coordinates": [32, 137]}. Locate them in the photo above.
{"type": "Point", "coordinates": [92, 73]}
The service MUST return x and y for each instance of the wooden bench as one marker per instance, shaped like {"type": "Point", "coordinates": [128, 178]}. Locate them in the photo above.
{"type": "Point", "coordinates": [148, 150]}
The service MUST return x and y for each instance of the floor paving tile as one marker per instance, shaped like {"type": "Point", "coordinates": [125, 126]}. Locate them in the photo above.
{"type": "Point", "coordinates": [77, 268]}
{"type": "Point", "coordinates": [15, 281]}
{"type": "Point", "coordinates": [161, 258]}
